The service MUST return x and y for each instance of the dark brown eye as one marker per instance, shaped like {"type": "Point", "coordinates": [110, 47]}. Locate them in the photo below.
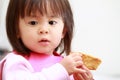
{"type": "Point", "coordinates": [33, 22]}
{"type": "Point", "coordinates": [52, 22]}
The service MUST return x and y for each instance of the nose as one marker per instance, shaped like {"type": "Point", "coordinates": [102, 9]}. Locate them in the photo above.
{"type": "Point", "coordinates": [43, 30]}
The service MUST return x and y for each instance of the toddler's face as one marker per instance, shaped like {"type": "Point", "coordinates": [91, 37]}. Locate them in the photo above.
{"type": "Point", "coordinates": [41, 34]}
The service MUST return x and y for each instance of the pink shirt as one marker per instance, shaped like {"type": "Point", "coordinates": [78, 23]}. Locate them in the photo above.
{"type": "Point", "coordinates": [36, 67]}
{"type": "Point", "coordinates": [40, 61]}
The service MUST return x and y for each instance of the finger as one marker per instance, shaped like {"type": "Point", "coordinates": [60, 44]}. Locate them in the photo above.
{"type": "Point", "coordinates": [84, 67]}
{"type": "Point", "coordinates": [79, 70]}
{"type": "Point", "coordinates": [88, 72]}
{"type": "Point", "coordinates": [77, 58]}
{"type": "Point", "coordinates": [87, 75]}
{"type": "Point", "coordinates": [75, 77]}
{"type": "Point", "coordinates": [78, 64]}
{"type": "Point", "coordinates": [75, 54]}
{"type": "Point", "coordinates": [81, 77]}
{"type": "Point", "coordinates": [78, 77]}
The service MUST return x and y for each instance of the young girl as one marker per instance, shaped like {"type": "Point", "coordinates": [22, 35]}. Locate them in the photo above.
{"type": "Point", "coordinates": [37, 30]}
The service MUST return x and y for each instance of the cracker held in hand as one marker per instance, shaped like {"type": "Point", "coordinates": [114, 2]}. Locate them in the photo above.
{"type": "Point", "coordinates": [90, 62]}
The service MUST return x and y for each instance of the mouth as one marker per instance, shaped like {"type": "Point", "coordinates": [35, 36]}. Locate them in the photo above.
{"type": "Point", "coordinates": [44, 42]}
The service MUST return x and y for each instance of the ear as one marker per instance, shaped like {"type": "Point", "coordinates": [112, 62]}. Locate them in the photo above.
{"type": "Point", "coordinates": [64, 32]}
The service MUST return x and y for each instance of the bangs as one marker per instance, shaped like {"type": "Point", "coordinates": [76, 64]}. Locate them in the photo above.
{"type": "Point", "coordinates": [44, 7]}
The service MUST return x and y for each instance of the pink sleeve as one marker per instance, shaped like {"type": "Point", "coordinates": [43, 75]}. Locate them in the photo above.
{"type": "Point", "coordinates": [56, 72]}
{"type": "Point", "coordinates": [18, 68]}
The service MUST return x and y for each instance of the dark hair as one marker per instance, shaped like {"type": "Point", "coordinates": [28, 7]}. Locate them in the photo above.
{"type": "Point", "coordinates": [21, 8]}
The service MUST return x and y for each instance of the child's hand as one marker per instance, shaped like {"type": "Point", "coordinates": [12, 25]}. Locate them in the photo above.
{"type": "Point", "coordinates": [72, 63]}
{"type": "Point", "coordinates": [83, 76]}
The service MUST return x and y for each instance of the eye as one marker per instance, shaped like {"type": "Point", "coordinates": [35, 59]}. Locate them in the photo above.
{"type": "Point", "coordinates": [33, 22]}
{"type": "Point", "coordinates": [52, 22]}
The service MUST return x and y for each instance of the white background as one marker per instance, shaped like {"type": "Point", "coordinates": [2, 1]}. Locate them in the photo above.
{"type": "Point", "coordinates": [97, 31]}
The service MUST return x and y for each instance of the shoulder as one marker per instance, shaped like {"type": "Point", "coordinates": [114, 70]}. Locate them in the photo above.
{"type": "Point", "coordinates": [14, 60]}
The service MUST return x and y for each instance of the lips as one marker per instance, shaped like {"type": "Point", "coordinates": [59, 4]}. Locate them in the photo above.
{"type": "Point", "coordinates": [44, 42]}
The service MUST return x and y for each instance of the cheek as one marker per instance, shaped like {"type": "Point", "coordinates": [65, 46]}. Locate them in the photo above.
{"type": "Point", "coordinates": [27, 36]}
{"type": "Point", "coordinates": [57, 41]}
{"type": "Point", "coordinates": [58, 37]}
{"type": "Point", "coordinates": [60, 32]}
